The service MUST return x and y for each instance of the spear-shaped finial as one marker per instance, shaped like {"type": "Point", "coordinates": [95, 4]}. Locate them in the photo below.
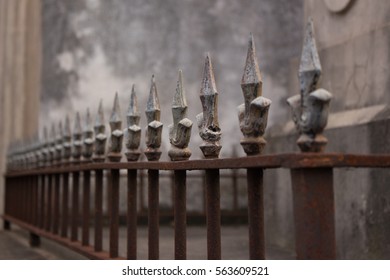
{"type": "Point", "coordinates": [180, 130]}
{"type": "Point", "coordinates": [153, 105]}
{"type": "Point", "coordinates": [133, 131]}
{"type": "Point", "coordinates": [52, 144]}
{"type": "Point", "coordinates": [310, 66]}
{"type": "Point", "coordinates": [88, 137]}
{"type": "Point", "coordinates": [77, 135]}
{"type": "Point", "coordinates": [154, 128]}
{"type": "Point", "coordinates": [100, 136]}
{"type": "Point", "coordinates": [115, 140]}
{"type": "Point", "coordinates": [44, 148]}
{"type": "Point", "coordinates": [310, 108]}
{"type": "Point", "coordinates": [208, 124]}
{"type": "Point", "coordinates": [58, 146]}
{"type": "Point", "coordinates": [66, 152]}
{"type": "Point", "coordinates": [253, 113]}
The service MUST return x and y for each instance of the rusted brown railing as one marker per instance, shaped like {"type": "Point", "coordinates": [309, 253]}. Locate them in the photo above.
{"type": "Point", "coordinates": [44, 181]}
{"type": "Point", "coordinates": [312, 192]}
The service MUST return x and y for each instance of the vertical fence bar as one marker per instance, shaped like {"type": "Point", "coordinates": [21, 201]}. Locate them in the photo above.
{"type": "Point", "coordinates": [49, 203]}
{"type": "Point", "coordinates": [213, 214]}
{"type": "Point", "coordinates": [27, 199]}
{"type": "Point", "coordinates": [141, 190]}
{"type": "Point", "coordinates": [131, 214]}
{"type": "Point", "coordinates": [314, 215]}
{"type": "Point", "coordinates": [34, 239]}
{"type": "Point", "coordinates": [56, 204]}
{"type": "Point", "coordinates": [235, 190]}
{"type": "Point", "coordinates": [65, 204]}
{"type": "Point", "coordinates": [75, 206]}
{"type": "Point", "coordinates": [86, 207]}
{"type": "Point", "coordinates": [256, 213]}
{"type": "Point", "coordinates": [98, 210]}
{"type": "Point", "coordinates": [8, 200]}
{"type": "Point", "coordinates": [35, 201]}
{"type": "Point", "coordinates": [42, 213]}
{"type": "Point", "coordinates": [180, 214]}
{"type": "Point", "coordinates": [114, 213]}
{"type": "Point", "coordinates": [153, 214]}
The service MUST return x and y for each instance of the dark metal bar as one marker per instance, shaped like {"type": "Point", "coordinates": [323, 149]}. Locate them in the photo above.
{"type": "Point", "coordinates": [35, 240]}
{"type": "Point", "coordinates": [49, 203]}
{"type": "Point", "coordinates": [6, 225]}
{"type": "Point", "coordinates": [56, 204]}
{"type": "Point", "coordinates": [131, 214]}
{"type": "Point", "coordinates": [114, 213]}
{"type": "Point", "coordinates": [86, 208]}
{"type": "Point", "coordinates": [213, 214]}
{"type": "Point", "coordinates": [141, 190]}
{"type": "Point", "coordinates": [302, 160]}
{"type": "Point", "coordinates": [235, 190]}
{"type": "Point", "coordinates": [75, 206]}
{"type": "Point", "coordinates": [27, 197]}
{"type": "Point", "coordinates": [65, 205]}
{"type": "Point", "coordinates": [153, 214]}
{"type": "Point", "coordinates": [180, 213]}
{"type": "Point", "coordinates": [99, 210]}
{"type": "Point", "coordinates": [256, 213]}
{"type": "Point", "coordinates": [314, 215]}
{"type": "Point", "coordinates": [42, 202]}
{"type": "Point", "coordinates": [8, 200]}
{"type": "Point", "coordinates": [35, 201]}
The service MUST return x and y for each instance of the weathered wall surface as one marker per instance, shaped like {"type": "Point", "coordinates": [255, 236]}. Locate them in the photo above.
{"type": "Point", "coordinates": [354, 52]}
{"type": "Point", "coordinates": [20, 55]}
{"type": "Point", "coordinates": [94, 48]}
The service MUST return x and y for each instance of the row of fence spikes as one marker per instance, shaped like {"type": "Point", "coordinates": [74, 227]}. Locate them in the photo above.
{"type": "Point", "coordinates": [310, 112]}
{"type": "Point", "coordinates": [57, 148]}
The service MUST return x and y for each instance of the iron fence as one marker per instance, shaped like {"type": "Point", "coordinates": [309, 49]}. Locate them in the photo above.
{"type": "Point", "coordinates": [43, 181]}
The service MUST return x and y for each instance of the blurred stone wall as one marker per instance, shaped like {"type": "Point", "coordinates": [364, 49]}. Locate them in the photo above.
{"type": "Point", "coordinates": [20, 53]}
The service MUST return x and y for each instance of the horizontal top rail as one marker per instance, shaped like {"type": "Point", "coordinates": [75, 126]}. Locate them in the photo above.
{"type": "Point", "coordinates": [288, 160]}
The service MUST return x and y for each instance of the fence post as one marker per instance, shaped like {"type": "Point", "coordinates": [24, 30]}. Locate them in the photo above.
{"type": "Point", "coordinates": [114, 155]}
{"type": "Point", "coordinates": [100, 149]}
{"type": "Point", "coordinates": [253, 116]}
{"type": "Point", "coordinates": [133, 140]}
{"type": "Point", "coordinates": [153, 153]}
{"type": "Point", "coordinates": [87, 154]}
{"type": "Point", "coordinates": [66, 152]}
{"type": "Point", "coordinates": [313, 197]}
{"type": "Point", "coordinates": [179, 137]}
{"type": "Point", "coordinates": [210, 133]}
{"type": "Point", "coordinates": [8, 200]}
{"type": "Point", "coordinates": [76, 154]}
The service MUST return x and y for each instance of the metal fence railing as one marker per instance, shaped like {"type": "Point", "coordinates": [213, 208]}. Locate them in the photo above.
{"type": "Point", "coordinates": [44, 181]}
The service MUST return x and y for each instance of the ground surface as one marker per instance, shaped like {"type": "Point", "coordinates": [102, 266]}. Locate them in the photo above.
{"type": "Point", "coordinates": [14, 245]}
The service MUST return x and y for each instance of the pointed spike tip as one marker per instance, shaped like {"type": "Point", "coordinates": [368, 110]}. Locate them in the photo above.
{"type": "Point", "coordinates": [310, 61]}
{"type": "Point", "coordinates": [77, 124]}
{"type": "Point", "coordinates": [252, 73]}
{"type": "Point", "coordinates": [179, 99]}
{"type": "Point", "coordinates": [133, 105]}
{"type": "Point", "coordinates": [116, 111]}
{"type": "Point", "coordinates": [208, 82]}
{"type": "Point", "coordinates": [153, 102]}
{"type": "Point", "coordinates": [99, 121]}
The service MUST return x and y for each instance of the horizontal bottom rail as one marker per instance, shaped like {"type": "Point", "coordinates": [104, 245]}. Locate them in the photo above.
{"type": "Point", "coordinates": [87, 251]}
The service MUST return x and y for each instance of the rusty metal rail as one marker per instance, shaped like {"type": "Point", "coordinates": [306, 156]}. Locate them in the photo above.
{"type": "Point", "coordinates": [312, 182]}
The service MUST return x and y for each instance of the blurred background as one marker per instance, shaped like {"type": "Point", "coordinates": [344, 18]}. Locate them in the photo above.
{"type": "Point", "coordinates": [58, 57]}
